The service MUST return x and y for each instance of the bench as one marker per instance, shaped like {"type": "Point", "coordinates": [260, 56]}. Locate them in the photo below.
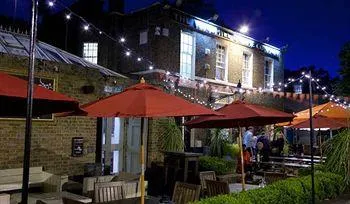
{"type": "Point", "coordinates": [11, 180]}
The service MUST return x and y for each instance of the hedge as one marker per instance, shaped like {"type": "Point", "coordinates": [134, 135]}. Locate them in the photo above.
{"type": "Point", "coordinates": [289, 191]}
{"type": "Point", "coordinates": [219, 165]}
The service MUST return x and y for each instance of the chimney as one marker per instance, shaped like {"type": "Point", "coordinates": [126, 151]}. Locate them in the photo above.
{"type": "Point", "coordinates": [116, 6]}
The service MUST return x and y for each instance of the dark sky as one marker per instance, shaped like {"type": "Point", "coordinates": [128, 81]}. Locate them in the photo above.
{"type": "Point", "coordinates": [314, 30]}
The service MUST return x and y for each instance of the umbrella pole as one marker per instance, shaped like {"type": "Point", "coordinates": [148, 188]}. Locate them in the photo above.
{"type": "Point", "coordinates": [311, 141]}
{"type": "Point", "coordinates": [142, 164]}
{"type": "Point", "coordinates": [242, 159]}
{"type": "Point", "coordinates": [28, 130]}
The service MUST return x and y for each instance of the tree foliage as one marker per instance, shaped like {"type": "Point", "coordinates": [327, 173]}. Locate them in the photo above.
{"type": "Point", "coordinates": [343, 87]}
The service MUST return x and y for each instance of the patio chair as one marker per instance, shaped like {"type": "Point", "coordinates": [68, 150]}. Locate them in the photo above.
{"type": "Point", "coordinates": [109, 191]}
{"type": "Point", "coordinates": [215, 188]}
{"type": "Point", "coordinates": [206, 175]}
{"type": "Point", "coordinates": [185, 193]}
{"type": "Point", "coordinates": [131, 189]}
{"type": "Point", "coordinates": [40, 202]}
{"type": "Point", "coordinates": [70, 201]}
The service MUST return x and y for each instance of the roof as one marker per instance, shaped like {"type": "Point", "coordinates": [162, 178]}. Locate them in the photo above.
{"type": "Point", "coordinates": [18, 44]}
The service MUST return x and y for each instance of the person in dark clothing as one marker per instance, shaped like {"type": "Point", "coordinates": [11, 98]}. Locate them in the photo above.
{"type": "Point", "coordinates": [280, 142]}
{"type": "Point", "coordinates": [263, 147]}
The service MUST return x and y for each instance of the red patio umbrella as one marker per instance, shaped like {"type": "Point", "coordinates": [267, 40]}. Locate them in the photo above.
{"type": "Point", "coordinates": [321, 122]}
{"type": "Point", "coordinates": [240, 114]}
{"type": "Point", "coordinates": [13, 98]}
{"type": "Point", "coordinates": [143, 100]}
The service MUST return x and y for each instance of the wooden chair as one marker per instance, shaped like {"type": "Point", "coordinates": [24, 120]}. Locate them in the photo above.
{"type": "Point", "coordinates": [271, 177]}
{"type": "Point", "coordinates": [131, 189]}
{"type": "Point", "coordinates": [185, 193]}
{"type": "Point", "coordinates": [215, 188]}
{"type": "Point", "coordinates": [109, 191]}
{"type": "Point", "coordinates": [70, 201]}
{"type": "Point", "coordinates": [206, 175]}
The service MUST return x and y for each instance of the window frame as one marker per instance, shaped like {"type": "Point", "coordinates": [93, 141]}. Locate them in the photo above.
{"type": "Point", "coordinates": [192, 54]}
{"type": "Point", "coordinates": [91, 54]}
{"type": "Point", "coordinates": [250, 66]}
{"type": "Point", "coordinates": [145, 41]}
{"type": "Point", "coordinates": [224, 61]}
{"type": "Point", "coordinates": [271, 61]}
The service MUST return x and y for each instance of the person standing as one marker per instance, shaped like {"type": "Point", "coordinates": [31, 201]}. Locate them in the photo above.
{"type": "Point", "coordinates": [280, 142]}
{"type": "Point", "coordinates": [248, 139]}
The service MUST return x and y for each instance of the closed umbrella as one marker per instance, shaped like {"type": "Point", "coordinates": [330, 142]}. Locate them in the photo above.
{"type": "Point", "coordinates": [240, 114]}
{"type": "Point", "coordinates": [13, 98]}
{"type": "Point", "coordinates": [145, 101]}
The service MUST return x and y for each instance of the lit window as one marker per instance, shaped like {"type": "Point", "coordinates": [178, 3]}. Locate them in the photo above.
{"type": "Point", "coordinates": [143, 37]}
{"type": "Point", "coordinates": [90, 51]}
{"type": "Point", "coordinates": [298, 89]}
{"type": "Point", "coordinates": [220, 72]}
{"type": "Point", "coordinates": [247, 70]}
{"type": "Point", "coordinates": [268, 74]}
{"type": "Point", "coordinates": [187, 55]}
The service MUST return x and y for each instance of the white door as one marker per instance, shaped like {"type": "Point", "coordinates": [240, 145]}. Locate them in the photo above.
{"type": "Point", "coordinates": [112, 140]}
{"type": "Point", "coordinates": [132, 150]}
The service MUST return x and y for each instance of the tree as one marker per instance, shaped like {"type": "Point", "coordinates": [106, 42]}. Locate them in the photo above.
{"type": "Point", "coordinates": [343, 87]}
{"type": "Point", "coordinates": [318, 73]}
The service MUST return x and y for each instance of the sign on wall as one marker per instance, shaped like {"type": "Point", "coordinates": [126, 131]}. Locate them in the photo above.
{"type": "Point", "coordinates": [77, 146]}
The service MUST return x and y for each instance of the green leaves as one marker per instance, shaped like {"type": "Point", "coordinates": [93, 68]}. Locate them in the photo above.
{"type": "Point", "coordinates": [220, 166]}
{"type": "Point", "coordinates": [337, 151]}
{"type": "Point", "coordinates": [170, 135]}
{"type": "Point", "coordinates": [289, 191]}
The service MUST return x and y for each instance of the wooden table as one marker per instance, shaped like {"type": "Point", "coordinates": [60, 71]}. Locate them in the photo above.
{"type": "Point", "coordinates": [51, 198]}
{"type": "Point", "coordinates": [237, 187]}
{"type": "Point", "coordinates": [181, 159]}
{"type": "Point", "coordinates": [287, 164]}
{"type": "Point", "coordinates": [149, 200]}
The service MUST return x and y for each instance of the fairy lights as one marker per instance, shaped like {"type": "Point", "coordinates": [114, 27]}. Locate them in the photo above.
{"type": "Point", "coordinates": [202, 83]}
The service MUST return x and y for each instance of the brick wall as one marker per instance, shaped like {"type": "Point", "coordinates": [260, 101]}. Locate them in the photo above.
{"type": "Point", "coordinates": [51, 140]}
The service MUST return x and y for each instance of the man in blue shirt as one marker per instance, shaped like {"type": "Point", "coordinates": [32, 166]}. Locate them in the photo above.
{"type": "Point", "coordinates": [248, 139]}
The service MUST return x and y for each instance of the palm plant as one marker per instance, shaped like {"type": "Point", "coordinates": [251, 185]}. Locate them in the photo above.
{"type": "Point", "coordinates": [217, 142]}
{"type": "Point", "coordinates": [337, 151]}
{"type": "Point", "coordinates": [170, 135]}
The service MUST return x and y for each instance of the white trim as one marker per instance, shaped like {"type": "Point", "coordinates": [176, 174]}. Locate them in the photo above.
{"type": "Point", "coordinates": [193, 60]}
{"type": "Point", "coordinates": [272, 81]}
{"type": "Point", "coordinates": [251, 75]}
{"type": "Point", "coordinates": [226, 62]}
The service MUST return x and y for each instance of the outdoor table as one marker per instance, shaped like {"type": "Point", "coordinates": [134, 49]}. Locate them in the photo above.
{"type": "Point", "coordinates": [237, 187]}
{"type": "Point", "coordinates": [296, 159]}
{"type": "Point", "coordinates": [51, 198]}
{"type": "Point", "coordinates": [148, 200]}
{"type": "Point", "coordinates": [287, 164]}
{"type": "Point", "coordinates": [181, 159]}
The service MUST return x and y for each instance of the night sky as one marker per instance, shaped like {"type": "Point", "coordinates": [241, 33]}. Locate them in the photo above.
{"type": "Point", "coordinates": [314, 30]}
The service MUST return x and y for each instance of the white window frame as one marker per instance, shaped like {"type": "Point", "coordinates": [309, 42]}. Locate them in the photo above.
{"type": "Point", "coordinates": [269, 85]}
{"type": "Point", "coordinates": [225, 61]}
{"type": "Point", "coordinates": [250, 66]}
{"type": "Point", "coordinates": [90, 52]}
{"type": "Point", "coordinates": [193, 55]}
{"type": "Point", "coordinates": [143, 37]}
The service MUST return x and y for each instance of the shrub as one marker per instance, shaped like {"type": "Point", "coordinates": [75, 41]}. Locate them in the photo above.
{"type": "Point", "coordinates": [231, 150]}
{"type": "Point", "coordinates": [289, 191]}
{"type": "Point", "coordinates": [220, 166]}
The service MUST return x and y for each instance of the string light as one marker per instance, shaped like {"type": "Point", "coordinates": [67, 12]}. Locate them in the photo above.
{"type": "Point", "coordinates": [51, 4]}
{"type": "Point", "coordinates": [122, 41]}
